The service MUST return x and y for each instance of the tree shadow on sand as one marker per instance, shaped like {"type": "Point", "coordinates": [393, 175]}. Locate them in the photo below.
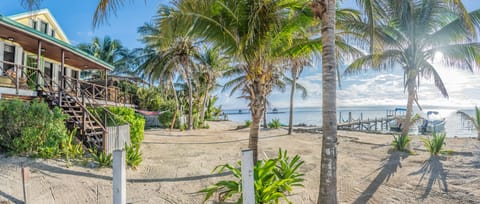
{"type": "Point", "coordinates": [387, 170]}
{"type": "Point", "coordinates": [434, 167]}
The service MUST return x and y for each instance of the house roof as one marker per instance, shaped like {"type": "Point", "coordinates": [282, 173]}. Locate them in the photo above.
{"type": "Point", "coordinates": [47, 14]}
{"type": "Point", "coordinates": [29, 37]}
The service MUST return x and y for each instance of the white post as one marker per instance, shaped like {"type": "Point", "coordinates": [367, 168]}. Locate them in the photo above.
{"type": "Point", "coordinates": [119, 177]}
{"type": "Point", "coordinates": [247, 177]}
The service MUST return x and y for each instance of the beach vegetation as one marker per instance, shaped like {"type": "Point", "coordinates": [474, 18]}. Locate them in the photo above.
{"type": "Point", "coordinates": [101, 158]}
{"type": "Point", "coordinates": [134, 156]}
{"type": "Point", "coordinates": [475, 120]}
{"type": "Point", "coordinates": [248, 123]}
{"type": "Point", "coordinates": [401, 143]}
{"type": "Point", "coordinates": [32, 129]}
{"type": "Point", "coordinates": [435, 144]}
{"type": "Point", "coordinates": [274, 180]}
{"type": "Point", "coordinates": [275, 123]}
{"type": "Point", "coordinates": [398, 29]}
{"type": "Point", "coordinates": [71, 148]}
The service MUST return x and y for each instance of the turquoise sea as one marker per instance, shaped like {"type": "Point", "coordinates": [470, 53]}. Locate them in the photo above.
{"type": "Point", "coordinates": [455, 125]}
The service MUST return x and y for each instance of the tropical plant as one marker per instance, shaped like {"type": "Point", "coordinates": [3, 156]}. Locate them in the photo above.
{"type": "Point", "coordinates": [248, 123]}
{"type": "Point", "coordinates": [274, 179]}
{"type": "Point", "coordinates": [101, 158]}
{"type": "Point", "coordinates": [275, 123]}
{"type": "Point", "coordinates": [411, 33]}
{"type": "Point", "coordinates": [71, 149]}
{"type": "Point", "coordinates": [435, 144]}
{"type": "Point", "coordinates": [401, 143]}
{"type": "Point", "coordinates": [249, 32]}
{"type": "Point", "coordinates": [474, 120]}
{"type": "Point", "coordinates": [134, 156]}
{"type": "Point", "coordinates": [110, 51]}
{"type": "Point", "coordinates": [149, 98]}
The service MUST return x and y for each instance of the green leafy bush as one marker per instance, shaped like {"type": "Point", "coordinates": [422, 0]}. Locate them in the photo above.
{"type": "Point", "coordinates": [134, 156]}
{"type": "Point", "coordinates": [71, 149]}
{"type": "Point", "coordinates": [136, 121]}
{"type": "Point", "coordinates": [32, 129]}
{"type": "Point", "coordinates": [435, 144]}
{"type": "Point", "coordinates": [248, 123]}
{"type": "Point", "coordinates": [400, 143]}
{"type": "Point", "coordinates": [101, 158]}
{"type": "Point", "coordinates": [275, 124]}
{"type": "Point", "coordinates": [149, 98]}
{"type": "Point", "coordinates": [168, 111]}
{"type": "Point", "coordinates": [274, 179]}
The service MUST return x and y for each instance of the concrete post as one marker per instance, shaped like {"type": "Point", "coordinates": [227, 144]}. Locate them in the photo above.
{"type": "Point", "coordinates": [247, 177]}
{"type": "Point", "coordinates": [119, 177]}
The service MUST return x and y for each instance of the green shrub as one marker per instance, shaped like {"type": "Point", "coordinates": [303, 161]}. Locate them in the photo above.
{"type": "Point", "coordinates": [149, 98]}
{"type": "Point", "coordinates": [101, 158]}
{"type": "Point", "coordinates": [136, 121]}
{"type": "Point", "coordinates": [248, 123]}
{"type": "Point", "coordinates": [400, 143]}
{"type": "Point", "coordinates": [435, 144]}
{"type": "Point", "coordinates": [274, 178]}
{"type": "Point", "coordinates": [275, 124]}
{"type": "Point", "coordinates": [71, 149]}
{"type": "Point", "coordinates": [134, 156]}
{"type": "Point", "coordinates": [32, 129]}
{"type": "Point", "coordinates": [168, 110]}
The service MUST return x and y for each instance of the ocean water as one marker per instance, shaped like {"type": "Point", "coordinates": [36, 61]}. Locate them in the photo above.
{"type": "Point", "coordinates": [455, 125]}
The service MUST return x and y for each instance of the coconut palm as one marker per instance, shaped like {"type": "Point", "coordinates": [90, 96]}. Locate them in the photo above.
{"type": "Point", "coordinates": [212, 65]}
{"type": "Point", "coordinates": [243, 29]}
{"type": "Point", "coordinates": [325, 11]}
{"type": "Point", "coordinates": [110, 51]}
{"type": "Point", "coordinates": [475, 120]}
{"type": "Point", "coordinates": [410, 35]}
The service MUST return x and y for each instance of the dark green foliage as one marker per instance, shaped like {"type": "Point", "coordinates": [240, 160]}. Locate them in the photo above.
{"type": "Point", "coordinates": [101, 158]}
{"type": "Point", "coordinates": [32, 129]}
{"type": "Point", "coordinates": [168, 110]}
{"type": "Point", "coordinates": [275, 124]}
{"type": "Point", "coordinates": [435, 144]}
{"type": "Point", "coordinates": [136, 121]}
{"type": "Point", "coordinates": [274, 179]}
{"type": "Point", "coordinates": [400, 143]}
{"type": "Point", "coordinates": [212, 112]}
{"type": "Point", "coordinates": [72, 149]}
{"type": "Point", "coordinates": [149, 99]}
{"type": "Point", "coordinates": [134, 156]}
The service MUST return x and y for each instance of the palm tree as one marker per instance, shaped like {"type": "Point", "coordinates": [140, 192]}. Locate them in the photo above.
{"type": "Point", "coordinates": [110, 51]}
{"type": "Point", "coordinates": [243, 29]}
{"type": "Point", "coordinates": [325, 11]}
{"type": "Point", "coordinates": [212, 65]}
{"type": "Point", "coordinates": [410, 35]}
{"type": "Point", "coordinates": [475, 120]}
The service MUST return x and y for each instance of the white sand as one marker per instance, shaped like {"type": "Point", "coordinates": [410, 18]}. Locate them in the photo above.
{"type": "Point", "coordinates": [177, 164]}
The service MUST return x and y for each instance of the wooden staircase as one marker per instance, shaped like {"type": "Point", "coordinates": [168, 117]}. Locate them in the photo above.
{"type": "Point", "coordinates": [89, 130]}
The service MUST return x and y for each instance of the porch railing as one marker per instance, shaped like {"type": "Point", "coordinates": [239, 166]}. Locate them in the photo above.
{"type": "Point", "coordinates": [30, 78]}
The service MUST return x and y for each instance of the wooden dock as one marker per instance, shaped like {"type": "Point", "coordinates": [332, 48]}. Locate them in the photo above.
{"type": "Point", "coordinates": [366, 125]}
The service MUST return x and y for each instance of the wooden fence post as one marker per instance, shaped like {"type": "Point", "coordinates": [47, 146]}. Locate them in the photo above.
{"type": "Point", "coordinates": [247, 177]}
{"type": "Point", "coordinates": [25, 178]}
{"type": "Point", "coordinates": [119, 177]}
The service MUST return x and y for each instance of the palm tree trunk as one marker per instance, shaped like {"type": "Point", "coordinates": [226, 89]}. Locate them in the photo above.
{"type": "Point", "coordinates": [265, 116]}
{"type": "Point", "coordinates": [190, 103]}
{"type": "Point", "coordinates": [292, 94]}
{"type": "Point", "coordinates": [177, 104]}
{"type": "Point", "coordinates": [257, 108]}
{"type": "Point", "coordinates": [202, 107]}
{"type": "Point", "coordinates": [411, 97]}
{"type": "Point", "coordinates": [328, 166]}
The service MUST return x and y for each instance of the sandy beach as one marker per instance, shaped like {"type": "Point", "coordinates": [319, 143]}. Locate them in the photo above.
{"type": "Point", "coordinates": [178, 164]}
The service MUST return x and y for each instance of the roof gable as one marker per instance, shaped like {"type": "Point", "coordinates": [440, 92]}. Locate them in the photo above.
{"type": "Point", "coordinates": [41, 15]}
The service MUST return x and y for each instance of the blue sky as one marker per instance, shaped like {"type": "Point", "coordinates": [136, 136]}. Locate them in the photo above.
{"type": "Point", "coordinates": [75, 18]}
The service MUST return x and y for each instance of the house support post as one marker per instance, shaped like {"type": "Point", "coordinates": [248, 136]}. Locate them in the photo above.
{"type": "Point", "coordinates": [106, 87]}
{"type": "Point", "coordinates": [39, 54]}
{"type": "Point", "coordinates": [62, 77]}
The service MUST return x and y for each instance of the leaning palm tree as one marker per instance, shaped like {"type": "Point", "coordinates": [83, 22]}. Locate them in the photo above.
{"type": "Point", "coordinates": [410, 35]}
{"type": "Point", "coordinates": [474, 120]}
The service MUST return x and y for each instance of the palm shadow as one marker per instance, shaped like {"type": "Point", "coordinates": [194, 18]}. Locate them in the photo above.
{"type": "Point", "coordinates": [387, 170]}
{"type": "Point", "coordinates": [434, 167]}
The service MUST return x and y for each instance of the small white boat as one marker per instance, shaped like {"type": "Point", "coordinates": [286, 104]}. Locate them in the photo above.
{"type": "Point", "coordinates": [433, 123]}
{"type": "Point", "coordinates": [397, 115]}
